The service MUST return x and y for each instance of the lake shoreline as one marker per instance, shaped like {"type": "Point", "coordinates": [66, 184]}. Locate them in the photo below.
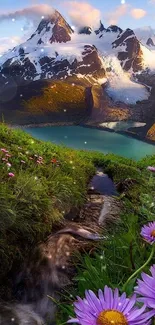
{"type": "Point", "coordinates": [89, 126]}
{"type": "Point", "coordinates": [126, 133]}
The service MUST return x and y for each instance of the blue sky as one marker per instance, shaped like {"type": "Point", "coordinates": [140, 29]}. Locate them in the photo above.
{"type": "Point", "coordinates": [131, 13]}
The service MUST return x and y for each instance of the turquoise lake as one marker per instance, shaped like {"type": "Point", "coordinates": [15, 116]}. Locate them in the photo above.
{"type": "Point", "coordinates": [92, 139]}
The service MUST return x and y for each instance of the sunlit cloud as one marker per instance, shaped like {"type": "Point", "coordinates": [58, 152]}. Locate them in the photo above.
{"type": "Point", "coordinates": [138, 13]}
{"type": "Point", "coordinates": [113, 17]}
{"type": "Point", "coordinates": [83, 14]}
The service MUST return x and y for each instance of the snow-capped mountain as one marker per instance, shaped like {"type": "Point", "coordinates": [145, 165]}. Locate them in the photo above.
{"type": "Point", "coordinates": [51, 53]}
{"type": "Point", "coordinates": [114, 29]}
{"type": "Point", "coordinates": [56, 51]}
{"type": "Point", "coordinates": [121, 61]}
{"type": "Point", "coordinates": [129, 54]}
{"type": "Point", "coordinates": [53, 29]}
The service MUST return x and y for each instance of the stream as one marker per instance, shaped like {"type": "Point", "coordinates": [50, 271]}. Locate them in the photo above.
{"type": "Point", "coordinates": [49, 268]}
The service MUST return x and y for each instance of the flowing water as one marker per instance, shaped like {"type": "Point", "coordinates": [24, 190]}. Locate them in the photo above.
{"type": "Point", "coordinates": [93, 139]}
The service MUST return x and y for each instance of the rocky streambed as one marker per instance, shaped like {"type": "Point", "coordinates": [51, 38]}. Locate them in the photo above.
{"type": "Point", "coordinates": [49, 268]}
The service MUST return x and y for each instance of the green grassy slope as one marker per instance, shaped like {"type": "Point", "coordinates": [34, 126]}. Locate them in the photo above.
{"type": "Point", "coordinates": [39, 193]}
{"type": "Point", "coordinates": [46, 101]}
{"type": "Point", "coordinates": [48, 181]}
{"type": "Point", "coordinates": [123, 251]}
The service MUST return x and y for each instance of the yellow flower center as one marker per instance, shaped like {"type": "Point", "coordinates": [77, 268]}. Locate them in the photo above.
{"type": "Point", "coordinates": [153, 233]}
{"type": "Point", "coordinates": [111, 317]}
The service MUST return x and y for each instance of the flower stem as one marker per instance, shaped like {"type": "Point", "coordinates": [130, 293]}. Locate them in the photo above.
{"type": "Point", "coordinates": [140, 269]}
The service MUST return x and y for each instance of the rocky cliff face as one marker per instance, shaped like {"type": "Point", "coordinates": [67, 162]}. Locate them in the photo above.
{"type": "Point", "coordinates": [85, 30]}
{"type": "Point", "coordinates": [129, 50]}
{"type": "Point", "coordinates": [100, 30]}
{"type": "Point", "coordinates": [27, 67]}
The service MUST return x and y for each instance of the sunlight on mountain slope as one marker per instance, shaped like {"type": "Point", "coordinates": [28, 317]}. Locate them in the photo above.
{"type": "Point", "coordinates": [149, 58]}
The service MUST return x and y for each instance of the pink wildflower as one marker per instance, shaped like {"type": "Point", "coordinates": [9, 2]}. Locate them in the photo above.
{"type": "Point", "coordinates": [11, 174]}
{"type": "Point", "coordinates": [4, 150]}
{"type": "Point", "coordinates": [8, 164]}
{"type": "Point", "coordinates": [151, 169]}
{"type": "Point", "coordinates": [39, 162]}
{"type": "Point", "coordinates": [22, 161]}
{"type": "Point", "coordinates": [7, 155]}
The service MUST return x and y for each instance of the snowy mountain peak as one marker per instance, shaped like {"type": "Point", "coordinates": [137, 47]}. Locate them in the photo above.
{"type": "Point", "coordinates": [55, 51]}
{"type": "Point", "coordinates": [51, 29]}
{"type": "Point", "coordinates": [129, 50]}
{"type": "Point", "coordinates": [114, 29]}
{"type": "Point", "coordinates": [85, 30]}
{"type": "Point", "coordinates": [150, 42]}
{"type": "Point", "coordinates": [101, 29]}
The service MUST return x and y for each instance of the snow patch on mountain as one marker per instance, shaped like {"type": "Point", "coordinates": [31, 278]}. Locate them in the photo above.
{"type": "Point", "coordinates": [148, 58]}
{"type": "Point", "coordinates": [120, 87]}
{"type": "Point", "coordinates": [103, 44]}
{"type": "Point", "coordinates": [60, 51]}
{"type": "Point", "coordinates": [122, 125]}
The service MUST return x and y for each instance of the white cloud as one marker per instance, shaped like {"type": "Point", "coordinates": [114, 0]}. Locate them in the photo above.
{"type": "Point", "coordinates": [7, 43]}
{"type": "Point", "coordinates": [138, 13]}
{"type": "Point", "coordinates": [83, 14]}
{"type": "Point", "coordinates": [32, 16]}
{"type": "Point", "coordinates": [32, 13]}
{"type": "Point", "coordinates": [113, 17]}
{"type": "Point", "coordinates": [143, 33]}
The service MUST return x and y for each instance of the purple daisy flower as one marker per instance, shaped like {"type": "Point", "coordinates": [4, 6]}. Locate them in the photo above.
{"type": "Point", "coordinates": [109, 309]}
{"type": "Point", "coordinates": [146, 288]}
{"type": "Point", "coordinates": [148, 232]}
